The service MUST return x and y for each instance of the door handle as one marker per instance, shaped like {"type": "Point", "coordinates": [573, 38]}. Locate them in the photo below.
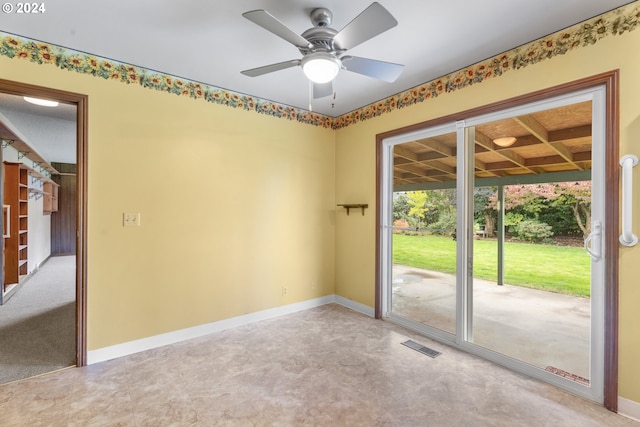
{"type": "Point", "coordinates": [593, 243]}
{"type": "Point", "coordinates": [628, 162]}
{"type": "Point", "coordinates": [6, 211]}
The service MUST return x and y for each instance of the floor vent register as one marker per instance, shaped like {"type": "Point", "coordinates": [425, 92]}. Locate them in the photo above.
{"type": "Point", "coordinates": [422, 349]}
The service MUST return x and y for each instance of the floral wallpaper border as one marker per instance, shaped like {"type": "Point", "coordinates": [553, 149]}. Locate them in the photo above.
{"type": "Point", "coordinates": [21, 48]}
{"type": "Point", "coordinates": [615, 22]}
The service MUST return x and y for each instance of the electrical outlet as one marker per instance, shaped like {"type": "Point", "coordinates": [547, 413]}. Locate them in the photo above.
{"type": "Point", "coordinates": [131, 219]}
{"type": "Point", "coordinates": [284, 291]}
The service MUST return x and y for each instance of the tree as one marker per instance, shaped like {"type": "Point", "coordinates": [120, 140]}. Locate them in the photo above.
{"type": "Point", "coordinates": [417, 202]}
{"type": "Point", "coordinates": [533, 199]}
{"type": "Point", "coordinates": [432, 209]}
{"type": "Point", "coordinates": [481, 208]}
{"type": "Point", "coordinates": [578, 196]}
{"type": "Point", "coordinates": [528, 196]}
{"type": "Point", "coordinates": [441, 215]}
{"type": "Point", "coordinates": [400, 206]}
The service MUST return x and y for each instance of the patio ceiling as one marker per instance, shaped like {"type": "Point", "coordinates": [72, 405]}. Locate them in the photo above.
{"type": "Point", "coordinates": [551, 141]}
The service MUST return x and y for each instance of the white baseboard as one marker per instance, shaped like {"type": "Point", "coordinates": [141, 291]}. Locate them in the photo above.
{"type": "Point", "coordinates": [119, 350]}
{"type": "Point", "coordinates": [355, 306]}
{"type": "Point", "coordinates": [629, 408]}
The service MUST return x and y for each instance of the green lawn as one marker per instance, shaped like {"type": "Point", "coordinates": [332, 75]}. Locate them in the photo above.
{"type": "Point", "coordinates": [552, 268]}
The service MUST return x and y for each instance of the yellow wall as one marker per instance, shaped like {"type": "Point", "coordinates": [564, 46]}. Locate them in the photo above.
{"type": "Point", "coordinates": [355, 237]}
{"type": "Point", "coordinates": [234, 205]}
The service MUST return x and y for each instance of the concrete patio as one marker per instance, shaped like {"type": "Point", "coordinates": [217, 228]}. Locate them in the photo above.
{"type": "Point", "coordinates": [541, 328]}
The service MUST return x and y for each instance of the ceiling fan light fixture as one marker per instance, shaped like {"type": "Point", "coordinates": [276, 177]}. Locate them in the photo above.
{"type": "Point", "coordinates": [507, 141]}
{"type": "Point", "coordinates": [321, 67]}
{"type": "Point", "coordinates": [41, 102]}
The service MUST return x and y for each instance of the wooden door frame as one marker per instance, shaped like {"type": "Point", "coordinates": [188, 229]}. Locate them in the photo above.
{"type": "Point", "coordinates": [81, 102]}
{"type": "Point", "coordinates": [610, 80]}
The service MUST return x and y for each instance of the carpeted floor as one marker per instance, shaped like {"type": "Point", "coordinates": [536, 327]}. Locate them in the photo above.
{"type": "Point", "coordinates": [37, 324]}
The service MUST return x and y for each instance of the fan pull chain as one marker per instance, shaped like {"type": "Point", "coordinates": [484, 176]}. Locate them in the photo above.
{"type": "Point", "coordinates": [310, 95]}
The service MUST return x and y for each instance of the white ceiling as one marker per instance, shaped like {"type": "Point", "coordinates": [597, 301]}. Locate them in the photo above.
{"type": "Point", "coordinates": [49, 131]}
{"type": "Point", "coordinates": [210, 41]}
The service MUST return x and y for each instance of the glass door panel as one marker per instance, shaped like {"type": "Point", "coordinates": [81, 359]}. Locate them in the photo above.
{"type": "Point", "coordinates": [423, 273]}
{"type": "Point", "coordinates": [531, 273]}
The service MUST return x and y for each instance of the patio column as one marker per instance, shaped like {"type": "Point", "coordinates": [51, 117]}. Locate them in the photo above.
{"type": "Point", "coordinates": [500, 235]}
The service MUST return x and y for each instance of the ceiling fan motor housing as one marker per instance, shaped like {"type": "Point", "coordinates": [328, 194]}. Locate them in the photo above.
{"type": "Point", "coordinates": [321, 35]}
{"type": "Point", "coordinates": [322, 40]}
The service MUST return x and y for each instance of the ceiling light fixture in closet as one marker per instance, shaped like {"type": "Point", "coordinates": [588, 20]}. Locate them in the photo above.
{"type": "Point", "coordinates": [41, 102]}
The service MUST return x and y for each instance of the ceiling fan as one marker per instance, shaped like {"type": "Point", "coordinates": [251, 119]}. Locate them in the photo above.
{"type": "Point", "coordinates": [323, 48]}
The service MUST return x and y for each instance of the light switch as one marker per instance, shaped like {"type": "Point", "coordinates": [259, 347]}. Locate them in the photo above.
{"type": "Point", "coordinates": [131, 219]}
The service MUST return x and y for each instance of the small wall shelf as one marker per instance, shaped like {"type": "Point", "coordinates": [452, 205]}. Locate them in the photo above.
{"type": "Point", "coordinates": [348, 206]}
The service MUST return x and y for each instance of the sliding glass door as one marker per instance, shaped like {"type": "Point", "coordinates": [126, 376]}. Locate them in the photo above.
{"type": "Point", "coordinates": [484, 228]}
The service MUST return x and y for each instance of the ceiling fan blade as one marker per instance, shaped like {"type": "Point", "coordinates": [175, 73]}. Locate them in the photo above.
{"type": "Point", "coordinates": [372, 21]}
{"type": "Point", "coordinates": [255, 72]}
{"type": "Point", "coordinates": [387, 71]}
{"type": "Point", "coordinates": [321, 90]}
{"type": "Point", "coordinates": [272, 24]}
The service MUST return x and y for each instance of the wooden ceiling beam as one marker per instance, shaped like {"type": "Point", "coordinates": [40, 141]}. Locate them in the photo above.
{"type": "Point", "coordinates": [399, 175]}
{"type": "Point", "coordinates": [529, 123]}
{"type": "Point", "coordinates": [411, 168]}
{"type": "Point", "coordinates": [570, 133]}
{"type": "Point", "coordinates": [486, 142]}
{"type": "Point", "coordinates": [521, 141]}
{"type": "Point", "coordinates": [482, 167]}
{"type": "Point", "coordinates": [441, 166]}
{"type": "Point", "coordinates": [514, 157]}
{"type": "Point", "coordinates": [431, 155]}
{"type": "Point", "coordinates": [533, 126]}
{"type": "Point", "coordinates": [438, 146]}
{"type": "Point", "coordinates": [436, 172]}
{"type": "Point", "coordinates": [499, 166]}
{"type": "Point", "coordinates": [406, 178]}
{"type": "Point", "coordinates": [562, 150]}
{"type": "Point", "coordinates": [398, 161]}
{"type": "Point", "coordinates": [417, 179]}
{"type": "Point", "coordinates": [404, 153]}
{"type": "Point", "coordinates": [546, 161]}
{"type": "Point", "coordinates": [582, 156]}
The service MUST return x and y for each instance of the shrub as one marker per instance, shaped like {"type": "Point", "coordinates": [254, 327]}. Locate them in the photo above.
{"type": "Point", "coordinates": [533, 231]}
{"type": "Point", "coordinates": [511, 221]}
{"type": "Point", "coordinates": [400, 223]}
{"type": "Point", "coordinates": [445, 225]}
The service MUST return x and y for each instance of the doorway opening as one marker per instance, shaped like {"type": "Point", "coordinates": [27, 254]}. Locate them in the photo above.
{"type": "Point", "coordinates": [466, 243]}
{"type": "Point", "coordinates": [44, 228]}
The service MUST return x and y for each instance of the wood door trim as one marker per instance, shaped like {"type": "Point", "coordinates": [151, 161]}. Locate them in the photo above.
{"type": "Point", "coordinates": [82, 115]}
{"type": "Point", "coordinates": [610, 80]}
